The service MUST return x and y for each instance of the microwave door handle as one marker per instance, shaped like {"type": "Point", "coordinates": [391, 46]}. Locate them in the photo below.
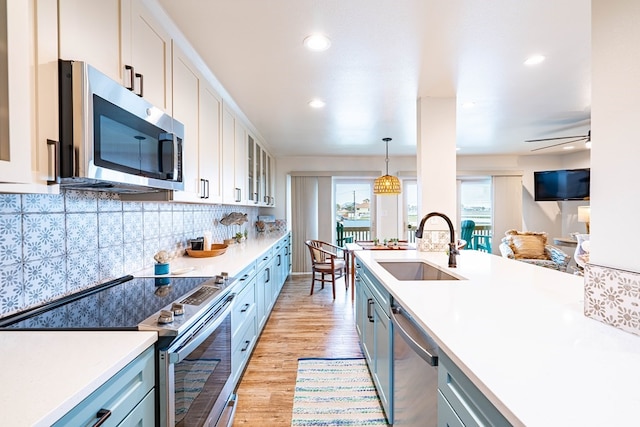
{"type": "Point", "coordinates": [177, 157]}
{"type": "Point", "coordinates": [161, 166]}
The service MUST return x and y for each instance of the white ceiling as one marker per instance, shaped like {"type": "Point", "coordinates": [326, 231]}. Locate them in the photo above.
{"type": "Point", "coordinates": [385, 54]}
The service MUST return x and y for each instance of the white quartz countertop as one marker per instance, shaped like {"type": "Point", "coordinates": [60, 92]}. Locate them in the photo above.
{"type": "Point", "coordinates": [519, 333]}
{"type": "Point", "coordinates": [46, 374]}
{"type": "Point", "coordinates": [236, 258]}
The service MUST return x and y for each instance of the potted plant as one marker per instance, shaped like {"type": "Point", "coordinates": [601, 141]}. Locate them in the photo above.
{"type": "Point", "coordinates": [239, 237]}
{"type": "Point", "coordinates": [162, 259]}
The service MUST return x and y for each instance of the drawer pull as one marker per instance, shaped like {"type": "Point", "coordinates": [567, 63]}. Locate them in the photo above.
{"type": "Point", "coordinates": [246, 346]}
{"type": "Point", "coordinates": [245, 308]}
{"type": "Point", "coordinates": [369, 315]}
{"type": "Point", "coordinates": [102, 414]}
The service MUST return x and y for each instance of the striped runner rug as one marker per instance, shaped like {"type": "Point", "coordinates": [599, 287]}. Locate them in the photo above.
{"type": "Point", "coordinates": [335, 392]}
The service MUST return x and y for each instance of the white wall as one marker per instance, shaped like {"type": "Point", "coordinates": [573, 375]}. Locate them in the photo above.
{"type": "Point", "coordinates": [615, 200]}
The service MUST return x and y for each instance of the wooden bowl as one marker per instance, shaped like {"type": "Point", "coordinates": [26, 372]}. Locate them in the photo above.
{"type": "Point", "coordinates": [216, 249]}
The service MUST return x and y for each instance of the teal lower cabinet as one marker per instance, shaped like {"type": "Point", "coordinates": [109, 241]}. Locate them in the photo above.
{"type": "Point", "coordinates": [259, 285]}
{"type": "Point", "coordinates": [243, 321]}
{"type": "Point", "coordinates": [264, 293]}
{"type": "Point", "coordinates": [127, 399]}
{"type": "Point", "coordinates": [460, 402]}
{"type": "Point", "coordinates": [376, 334]}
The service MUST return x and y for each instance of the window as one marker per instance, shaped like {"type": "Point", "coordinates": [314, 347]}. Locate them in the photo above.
{"type": "Point", "coordinates": [475, 201]}
{"type": "Point", "coordinates": [410, 202]}
{"type": "Point", "coordinates": [354, 208]}
{"type": "Point", "coordinates": [476, 204]}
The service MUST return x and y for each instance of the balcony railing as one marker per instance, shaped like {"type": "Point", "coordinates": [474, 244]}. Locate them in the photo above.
{"type": "Point", "coordinates": [364, 233]}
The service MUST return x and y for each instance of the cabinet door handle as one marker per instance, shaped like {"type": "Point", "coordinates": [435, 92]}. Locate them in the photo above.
{"type": "Point", "coordinates": [132, 72]}
{"type": "Point", "coordinates": [268, 273]}
{"type": "Point", "coordinates": [54, 160]}
{"type": "Point", "coordinates": [203, 188]}
{"type": "Point", "coordinates": [255, 198]}
{"type": "Point", "coordinates": [246, 346]}
{"type": "Point", "coordinates": [238, 194]}
{"type": "Point", "coordinates": [369, 304]}
{"type": "Point", "coordinates": [102, 414]}
{"type": "Point", "coordinates": [245, 308]}
{"type": "Point", "coordinates": [141, 77]}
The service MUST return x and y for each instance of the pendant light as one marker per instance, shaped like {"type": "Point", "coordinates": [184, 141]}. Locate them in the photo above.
{"type": "Point", "coordinates": [386, 184]}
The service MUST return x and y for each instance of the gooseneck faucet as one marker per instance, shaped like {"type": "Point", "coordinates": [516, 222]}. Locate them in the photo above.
{"type": "Point", "coordinates": [453, 248]}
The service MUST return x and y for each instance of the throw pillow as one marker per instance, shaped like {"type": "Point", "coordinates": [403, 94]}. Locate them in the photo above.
{"type": "Point", "coordinates": [527, 244]}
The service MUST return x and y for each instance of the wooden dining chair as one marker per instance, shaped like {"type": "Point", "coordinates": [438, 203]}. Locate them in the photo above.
{"type": "Point", "coordinates": [328, 263]}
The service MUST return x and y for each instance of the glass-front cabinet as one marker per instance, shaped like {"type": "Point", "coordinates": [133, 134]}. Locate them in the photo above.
{"type": "Point", "coordinates": [251, 159]}
{"type": "Point", "coordinates": [259, 179]}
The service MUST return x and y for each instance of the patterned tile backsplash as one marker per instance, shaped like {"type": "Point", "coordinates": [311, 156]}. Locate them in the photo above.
{"type": "Point", "coordinates": [434, 241]}
{"type": "Point", "coordinates": [612, 296]}
{"type": "Point", "coordinates": [54, 245]}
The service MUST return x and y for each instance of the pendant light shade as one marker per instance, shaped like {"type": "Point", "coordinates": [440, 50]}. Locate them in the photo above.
{"type": "Point", "coordinates": [387, 184]}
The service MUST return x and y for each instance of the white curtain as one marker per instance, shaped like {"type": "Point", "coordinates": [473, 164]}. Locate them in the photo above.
{"type": "Point", "coordinates": [507, 207]}
{"type": "Point", "coordinates": [304, 220]}
{"type": "Point", "coordinates": [311, 216]}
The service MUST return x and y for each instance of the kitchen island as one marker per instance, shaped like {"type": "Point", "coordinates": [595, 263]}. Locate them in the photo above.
{"type": "Point", "coordinates": [518, 332]}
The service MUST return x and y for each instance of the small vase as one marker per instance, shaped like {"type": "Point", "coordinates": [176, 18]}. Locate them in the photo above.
{"type": "Point", "coordinates": [161, 268]}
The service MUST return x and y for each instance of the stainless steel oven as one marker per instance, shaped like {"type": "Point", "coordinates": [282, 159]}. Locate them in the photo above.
{"type": "Point", "coordinates": [192, 316]}
{"type": "Point", "coordinates": [195, 373]}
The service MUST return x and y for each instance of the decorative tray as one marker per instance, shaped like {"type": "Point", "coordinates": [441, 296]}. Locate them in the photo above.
{"type": "Point", "coordinates": [216, 249]}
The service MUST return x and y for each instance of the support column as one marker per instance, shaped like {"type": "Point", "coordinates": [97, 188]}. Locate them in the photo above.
{"type": "Point", "coordinates": [436, 159]}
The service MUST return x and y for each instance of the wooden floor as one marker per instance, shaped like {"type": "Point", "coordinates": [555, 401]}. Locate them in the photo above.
{"type": "Point", "coordinates": [300, 326]}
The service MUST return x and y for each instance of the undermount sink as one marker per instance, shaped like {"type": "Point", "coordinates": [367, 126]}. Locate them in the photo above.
{"type": "Point", "coordinates": [415, 270]}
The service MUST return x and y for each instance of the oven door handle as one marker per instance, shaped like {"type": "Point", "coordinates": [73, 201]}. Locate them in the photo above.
{"type": "Point", "coordinates": [185, 348]}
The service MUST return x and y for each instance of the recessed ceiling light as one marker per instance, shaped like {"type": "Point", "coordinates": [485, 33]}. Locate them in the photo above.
{"type": "Point", "coordinates": [317, 42]}
{"type": "Point", "coordinates": [534, 60]}
{"type": "Point", "coordinates": [570, 147]}
{"type": "Point", "coordinates": [316, 103]}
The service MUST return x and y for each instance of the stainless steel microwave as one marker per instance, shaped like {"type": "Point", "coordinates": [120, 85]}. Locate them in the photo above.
{"type": "Point", "coordinates": [112, 139]}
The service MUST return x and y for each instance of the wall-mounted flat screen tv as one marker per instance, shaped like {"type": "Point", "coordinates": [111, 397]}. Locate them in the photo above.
{"type": "Point", "coordinates": [566, 184]}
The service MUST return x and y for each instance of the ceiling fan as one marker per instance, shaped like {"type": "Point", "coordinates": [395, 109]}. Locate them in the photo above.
{"type": "Point", "coordinates": [574, 138]}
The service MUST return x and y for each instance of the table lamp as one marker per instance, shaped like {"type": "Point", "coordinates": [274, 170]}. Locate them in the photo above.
{"type": "Point", "coordinates": [584, 215]}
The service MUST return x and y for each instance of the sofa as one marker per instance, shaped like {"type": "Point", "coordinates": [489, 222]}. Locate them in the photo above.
{"type": "Point", "coordinates": [532, 247]}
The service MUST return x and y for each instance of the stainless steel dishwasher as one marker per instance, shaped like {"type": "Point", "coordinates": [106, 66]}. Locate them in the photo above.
{"type": "Point", "coordinates": [415, 372]}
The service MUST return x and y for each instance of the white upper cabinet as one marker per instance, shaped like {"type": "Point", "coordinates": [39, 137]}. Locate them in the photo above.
{"type": "Point", "coordinates": [185, 110]}
{"type": "Point", "coordinates": [146, 47]}
{"type": "Point", "coordinates": [121, 39]}
{"type": "Point", "coordinates": [234, 159]}
{"type": "Point", "coordinates": [210, 144]}
{"type": "Point", "coordinates": [15, 134]}
{"type": "Point", "coordinates": [198, 107]}
{"type": "Point", "coordinates": [90, 32]}
{"type": "Point", "coordinates": [28, 95]}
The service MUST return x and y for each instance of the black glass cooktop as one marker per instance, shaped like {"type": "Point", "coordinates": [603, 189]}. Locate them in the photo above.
{"type": "Point", "coordinates": [120, 304]}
